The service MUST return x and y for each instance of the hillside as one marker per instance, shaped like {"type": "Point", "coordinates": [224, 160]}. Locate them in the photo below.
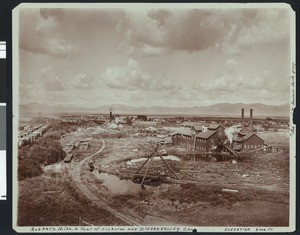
{"type": "Point", "coordinates": [225, 109]}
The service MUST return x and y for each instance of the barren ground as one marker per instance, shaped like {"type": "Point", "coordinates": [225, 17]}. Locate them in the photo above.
{"type": "Point", "coordinates": [262, 182]}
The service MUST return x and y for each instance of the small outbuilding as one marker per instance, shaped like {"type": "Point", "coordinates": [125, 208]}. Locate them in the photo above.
{"type": "Point", "coordinates": [249, 142]}
{"type": "Point", "coordinates": [68, 158]}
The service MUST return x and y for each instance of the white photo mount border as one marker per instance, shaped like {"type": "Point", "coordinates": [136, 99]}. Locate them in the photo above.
{"type": "Point", "coordinates": [105, 229]}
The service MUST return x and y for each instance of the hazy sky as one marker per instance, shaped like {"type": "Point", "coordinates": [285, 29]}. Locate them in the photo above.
{"type": "Point", "coordinates": [161, 57]}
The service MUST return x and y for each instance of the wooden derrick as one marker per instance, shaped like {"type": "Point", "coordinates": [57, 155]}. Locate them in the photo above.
{"type": "Point", "coordinates": [150, 158]}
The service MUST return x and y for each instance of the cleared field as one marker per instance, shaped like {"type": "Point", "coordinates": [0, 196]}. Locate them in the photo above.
{"type": "Point", "coordinates": [275, 137]}
{"type": "Point", "coordinates": [262, 182]}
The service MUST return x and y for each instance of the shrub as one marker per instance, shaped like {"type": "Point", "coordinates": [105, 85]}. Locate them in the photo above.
{"type": "Point", "coordinates": [45, 151]}
{"type": "Point", "coordinates": [28, 169]}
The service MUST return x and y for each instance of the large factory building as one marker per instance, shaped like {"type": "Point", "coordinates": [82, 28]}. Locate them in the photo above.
{"type": "Point", "coordinates": [246, 138]}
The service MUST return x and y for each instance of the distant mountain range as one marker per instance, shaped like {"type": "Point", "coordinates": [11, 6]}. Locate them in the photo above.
{"type": "Point", "coordinates": [221, 109]}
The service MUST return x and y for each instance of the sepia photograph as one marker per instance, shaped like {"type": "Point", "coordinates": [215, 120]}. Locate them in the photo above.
{"type": "Point", "coordinates": [153, 117]}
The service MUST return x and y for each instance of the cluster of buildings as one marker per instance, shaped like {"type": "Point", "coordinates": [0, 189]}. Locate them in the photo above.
{"type": "Point", "coordinates": [204, 137]}
{"type": "Point", "coordinates": [28, 133]}
{"type": "Point", "coordinates": [82, 120]}
{"type": "Point", "coordinates": [198, 136]}
{"type": "Point", "coordinates": [246, 138]}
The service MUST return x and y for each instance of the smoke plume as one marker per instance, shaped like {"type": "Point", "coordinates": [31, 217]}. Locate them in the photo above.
{"type": "Point", "coordinates": [230, 131]}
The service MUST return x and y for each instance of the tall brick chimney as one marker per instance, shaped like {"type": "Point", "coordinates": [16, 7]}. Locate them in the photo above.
{"type": "Point", "coordinates": [251, 120]}
{"type": "Point", "coordinates": [110, 115]}
{"type": "Point", "coordinates": [242, 118]}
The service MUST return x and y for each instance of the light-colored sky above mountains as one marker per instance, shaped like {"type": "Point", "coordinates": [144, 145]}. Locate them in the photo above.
{"type": "Point", "coordinates": [149, 56]}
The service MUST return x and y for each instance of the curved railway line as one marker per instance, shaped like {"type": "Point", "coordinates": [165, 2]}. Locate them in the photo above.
{"type": "Point", "coordinates": [89, 194]}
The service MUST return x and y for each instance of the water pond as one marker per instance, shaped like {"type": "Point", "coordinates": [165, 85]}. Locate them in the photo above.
{"type": "Point", "coordinates": [115, 184]}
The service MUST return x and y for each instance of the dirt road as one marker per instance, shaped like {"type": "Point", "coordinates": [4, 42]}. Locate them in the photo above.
{"type": "Point", "coordinates": [98, 201]}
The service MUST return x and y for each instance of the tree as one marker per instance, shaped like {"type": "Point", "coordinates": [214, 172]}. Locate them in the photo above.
{"type": "Point", "coordinates": [142, 117]}
{"type": "Point", "coordinates": [46, 151]}
{"type": "Point", "coordinates": [128, 121]}
{"type": "Point", "coordinates": [29, 168]}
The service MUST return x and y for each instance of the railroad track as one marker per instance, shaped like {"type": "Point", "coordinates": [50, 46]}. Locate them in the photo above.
{"type": "Point", "coordinates": [89, 194]}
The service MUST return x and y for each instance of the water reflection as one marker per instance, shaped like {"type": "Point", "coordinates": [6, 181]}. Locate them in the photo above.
{"type": "Point", "coordinates": [115, 184]}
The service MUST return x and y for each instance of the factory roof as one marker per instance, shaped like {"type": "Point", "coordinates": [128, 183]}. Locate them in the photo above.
{"type": "Point", "coordinates": [205, 135]}
{"type": "Point", "coordinates": [183, 131]}
{"type": "Point", "coordinates": [192, 123]}
{"type": "Point", "coordinates": [214, 126]}
{"type": "Point", "coordinates": [198, 127]}
{"type": "Point", "coordinates": [246, 137]}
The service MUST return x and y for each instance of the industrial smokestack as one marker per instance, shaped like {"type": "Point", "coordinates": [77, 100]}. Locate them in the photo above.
{"type": "Point", "coordinates": [251, 120]}
{"type": "Point", "coordinates": [242, 118]}
{"type": "Point", "coordinates": [110, 115]}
